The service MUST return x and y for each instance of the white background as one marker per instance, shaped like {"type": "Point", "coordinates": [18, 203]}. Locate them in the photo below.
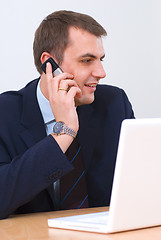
{"type": "Point", "coordinates": [133, 45]}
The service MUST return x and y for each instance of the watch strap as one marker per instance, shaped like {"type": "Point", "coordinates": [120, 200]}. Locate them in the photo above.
{"type": "Point", "coordinates": [69, 131]}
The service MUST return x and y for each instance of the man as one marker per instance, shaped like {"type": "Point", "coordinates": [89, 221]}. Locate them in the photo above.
{"type": "Point", "coordinates": [33, 157]}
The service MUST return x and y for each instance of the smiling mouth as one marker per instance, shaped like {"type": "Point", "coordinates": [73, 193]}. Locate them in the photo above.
{"type": "Point", "coordinates": [90, 85]}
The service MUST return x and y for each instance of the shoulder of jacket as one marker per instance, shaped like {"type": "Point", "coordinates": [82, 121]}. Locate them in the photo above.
{"type": "Point", "coordinates": [12, 99]}
{"type": "Point", "coordinates": [106, 91]}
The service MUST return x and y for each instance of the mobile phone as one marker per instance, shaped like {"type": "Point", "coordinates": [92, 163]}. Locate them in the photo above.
{"type": "Point", "coordinates": [55, 67]}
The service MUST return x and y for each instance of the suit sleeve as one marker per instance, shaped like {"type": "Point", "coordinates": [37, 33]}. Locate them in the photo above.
{"type": "Point", "coordinates": [28, 174]}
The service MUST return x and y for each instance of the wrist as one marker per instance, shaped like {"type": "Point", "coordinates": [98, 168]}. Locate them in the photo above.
{"type": "Point", "coordinates": [64, 141]}
{"type": "Point", "coordinates": [60, 128]}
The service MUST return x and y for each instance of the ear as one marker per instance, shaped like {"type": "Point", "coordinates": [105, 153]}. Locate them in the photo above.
{"type": "Point", "coordinates": [45, 56]}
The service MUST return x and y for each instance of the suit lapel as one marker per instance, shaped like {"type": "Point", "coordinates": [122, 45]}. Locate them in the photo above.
{"type": "Point", "coordinates": [32, 121]}
{"type": "Point", "coordinates": [89, 126]}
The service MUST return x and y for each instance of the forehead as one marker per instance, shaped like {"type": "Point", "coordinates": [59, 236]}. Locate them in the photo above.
{"type": "Point", "coordinates": [82, 42]}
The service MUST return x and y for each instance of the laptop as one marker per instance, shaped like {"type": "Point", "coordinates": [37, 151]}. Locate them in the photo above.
{"type": "Point", "coordinates": [136, 193]}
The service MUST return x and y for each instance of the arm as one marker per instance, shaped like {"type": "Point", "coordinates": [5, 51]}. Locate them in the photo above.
{"type": "Point", "coordinates": [62, 102]}
{"type": "Point", "coordinates": [27, 175]}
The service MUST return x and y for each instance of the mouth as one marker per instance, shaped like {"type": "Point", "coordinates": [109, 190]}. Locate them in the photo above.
{"type": "Point", "coordinates": [91, 85]}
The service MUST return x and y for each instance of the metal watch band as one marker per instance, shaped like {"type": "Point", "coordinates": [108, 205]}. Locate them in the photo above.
{"type": "Point", "coordinates": [69, 131]}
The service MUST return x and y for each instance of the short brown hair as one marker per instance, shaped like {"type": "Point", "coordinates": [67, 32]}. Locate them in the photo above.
{"type": "Point", "coordinates": [52, 34]}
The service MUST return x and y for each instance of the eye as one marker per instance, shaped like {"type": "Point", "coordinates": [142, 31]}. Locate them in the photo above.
{"type": "Point", "coordinates": [87, 60]}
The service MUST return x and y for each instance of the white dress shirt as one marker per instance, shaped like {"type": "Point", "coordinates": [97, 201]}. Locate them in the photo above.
{"type": "Point", "coordinates": [46, 111]}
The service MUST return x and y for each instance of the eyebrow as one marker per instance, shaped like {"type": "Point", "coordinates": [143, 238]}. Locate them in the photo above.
{"type": "Point", "coordinates": [92, 56]}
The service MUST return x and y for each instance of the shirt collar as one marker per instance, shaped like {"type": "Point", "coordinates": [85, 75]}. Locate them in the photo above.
{"type": "Point", "coordinates": [44, 106]}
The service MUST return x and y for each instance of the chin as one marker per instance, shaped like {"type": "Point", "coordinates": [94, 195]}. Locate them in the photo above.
{"type": "Point", "coordinates": [84, 100]}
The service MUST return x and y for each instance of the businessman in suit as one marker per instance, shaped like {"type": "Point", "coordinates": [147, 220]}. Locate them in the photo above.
{"type": "Point", "coordinates": [33, 157]}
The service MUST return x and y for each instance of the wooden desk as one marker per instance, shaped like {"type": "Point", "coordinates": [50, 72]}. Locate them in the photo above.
{"type": "Point", "coordinates": [34, 226]}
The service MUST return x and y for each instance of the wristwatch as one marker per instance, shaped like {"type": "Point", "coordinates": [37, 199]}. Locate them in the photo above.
{"type": "Point", "coordinates": [60, 128]}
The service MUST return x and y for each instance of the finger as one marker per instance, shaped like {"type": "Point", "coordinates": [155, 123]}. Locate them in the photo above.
{"type": "Point", "coordinates": [53, 82]}
{"type": "Point", "coordinates": [62, 80]}
{"type": "Point", "coordinates": [75, 91]}
{"type": "Point", "coordinates": [49, 79]}
{"type": "Point", "coordinates": [67, 84]}
{"type": "Point", "coordinates": [48, 68]}
{"type": "Point", "coordinates": [63, 90]}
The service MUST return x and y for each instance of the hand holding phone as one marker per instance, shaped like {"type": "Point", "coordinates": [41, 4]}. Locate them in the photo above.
{"type": "Point", "coordinates": [55, 67]}
{"type": "Point", "coordinates": [61, 94]}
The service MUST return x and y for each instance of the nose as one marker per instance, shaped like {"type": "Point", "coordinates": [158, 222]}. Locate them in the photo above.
{"type": "Point", "coordinates": [99, 71]}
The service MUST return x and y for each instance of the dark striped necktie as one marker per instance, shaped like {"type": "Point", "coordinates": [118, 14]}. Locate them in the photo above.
{"type": "Point", "coordinates": [73, 190]}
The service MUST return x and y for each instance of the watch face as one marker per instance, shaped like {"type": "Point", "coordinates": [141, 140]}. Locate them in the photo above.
{"type": "Point", "coordinates": [58, 127]}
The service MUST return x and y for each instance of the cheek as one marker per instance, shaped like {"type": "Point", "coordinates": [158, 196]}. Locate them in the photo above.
{"type": "Point", "coordinates": [79, 82]}
{"type": "Point", "coordinates": [81, 77]}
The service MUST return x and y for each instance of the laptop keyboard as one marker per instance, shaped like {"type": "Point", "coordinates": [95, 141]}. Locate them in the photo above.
{"type": "Point", "coordinates": [96, 218]}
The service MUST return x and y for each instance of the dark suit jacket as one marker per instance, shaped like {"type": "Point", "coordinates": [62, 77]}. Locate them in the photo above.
{"type": "Point", "coordinates": [30, 161]}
